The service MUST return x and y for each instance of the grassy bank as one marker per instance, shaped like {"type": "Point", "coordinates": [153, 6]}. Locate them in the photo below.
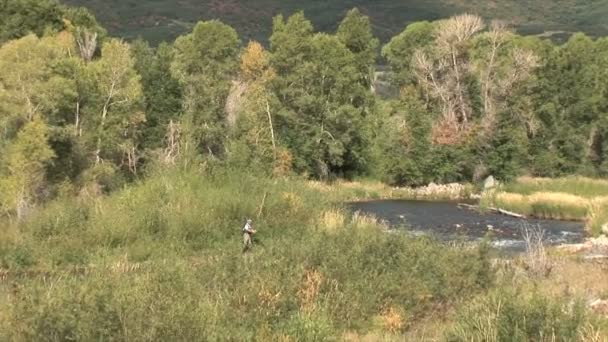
{"type": "Point", "coordinates": [161, 260]}
{"type": "Point", "coordinates": [571, 198]}
{"type": "Point", "coordinates": [366, 190]}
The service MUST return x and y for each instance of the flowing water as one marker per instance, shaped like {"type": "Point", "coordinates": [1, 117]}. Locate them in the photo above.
{"type": "Point", "coordinates": [445, 220]}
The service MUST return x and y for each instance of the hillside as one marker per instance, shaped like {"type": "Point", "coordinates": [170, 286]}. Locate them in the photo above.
{"type": "Point", "coordinates": [159, 20]}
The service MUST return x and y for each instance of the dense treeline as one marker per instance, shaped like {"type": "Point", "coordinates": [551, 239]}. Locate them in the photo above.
{"type": "Point", "coordinates": [84, 112]}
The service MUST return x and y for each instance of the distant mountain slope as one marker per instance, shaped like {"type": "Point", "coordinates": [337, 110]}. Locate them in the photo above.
{"type": "Point", "coordinates": [158, 20]}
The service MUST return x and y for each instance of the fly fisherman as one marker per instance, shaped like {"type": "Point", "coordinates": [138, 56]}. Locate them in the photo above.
{"type": "Point", "coordinates": [248, 232]}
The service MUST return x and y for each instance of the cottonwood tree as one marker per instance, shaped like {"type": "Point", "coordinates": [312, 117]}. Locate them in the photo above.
{"type": "Point", "coordinates": [18, 18]}
{"type": "Point", "coordinates": [26, 158]}
{"type": "Point", "coordinates": [205, 63]}
{"type": "Point", "coordinates": [400, 50]}
{"type": "Point", "coordinates": [115, 112]}
{"type": "Point", "coordinates": [442, 71]}
{"type": "Point", "coordinates": [29, 83]}
{"type": "Point", "coordinates": [355, 32]}
{"type": "Point", "coordinates": [34, 82]}
{"type": "Point", "coordinates": [317, 76]}
{"type": "Point", "coordinates": [572, 108]}
{"type": "Point", "coordinates": [464, 63]}
{"type": "Point", "coordinates": [162, 92]}
{"type": "Point", "coordinates": [251, 107]}
{"type": "Point", "coordinates": [501, 67]}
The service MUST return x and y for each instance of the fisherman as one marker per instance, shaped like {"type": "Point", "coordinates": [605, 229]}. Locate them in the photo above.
{"type": "Point", "coordinates": [248, 232]}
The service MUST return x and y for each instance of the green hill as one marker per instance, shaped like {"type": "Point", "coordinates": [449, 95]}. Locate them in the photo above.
{"type": "Point", "coordinates": [158, 20]}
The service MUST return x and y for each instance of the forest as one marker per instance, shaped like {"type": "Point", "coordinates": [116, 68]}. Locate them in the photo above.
{"type": "Point", "coordinates": [127, 168]}
{"type": "Point", "coordinates": [81, 109]}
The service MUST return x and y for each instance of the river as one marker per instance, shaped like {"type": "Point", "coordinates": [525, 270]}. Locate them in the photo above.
{"type": "Point", "coordinates": [446, 221]}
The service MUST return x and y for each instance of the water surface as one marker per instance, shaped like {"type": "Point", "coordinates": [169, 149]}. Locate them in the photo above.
{"type": "Point", "coordinates": [446, 220]}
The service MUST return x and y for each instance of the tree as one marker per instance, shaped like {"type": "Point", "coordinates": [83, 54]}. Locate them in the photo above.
{"type": "Point", "coordinates": [205, 63]}
{"type": "Point", "coordinates": [114, 114]}
{"type": "Point", "coordinates": [30, 83]}
{"type": "Point", "coordinates": [26, 159]}
{"type": "Point", "coordinates": [406, 147]}
{"type": "Point", "coordinates": [162, 92]}
{"type": "Point", "coordinates": [399, 52]}
{"type": "Point", "coordinates": [317, 82]}
{"type": "Point", "coordinates": [251, 108]}
{"type": "Point", "coordinates": [355, 32]}
{"type": "Point", "coordinates": [19, 18]}
{"type": "Point", "coordinates": [442, 70]}
{"type": "Point", "coordinates": [571, 105]}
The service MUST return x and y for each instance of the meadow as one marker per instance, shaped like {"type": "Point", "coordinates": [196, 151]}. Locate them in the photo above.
{"type": "Point", "coordinates": [161, 260]}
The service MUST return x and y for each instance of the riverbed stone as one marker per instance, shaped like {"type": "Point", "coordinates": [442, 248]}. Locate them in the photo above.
{"type": "Point", "coordinates": [605, 228]}
{"type": "Point", "coordinates": [599, 306]}
{"type": "Point", "coordinates": [490, 183]}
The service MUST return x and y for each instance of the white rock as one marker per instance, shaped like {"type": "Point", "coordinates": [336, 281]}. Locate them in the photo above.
{"type": "Point", "coordinates": [489, 183]}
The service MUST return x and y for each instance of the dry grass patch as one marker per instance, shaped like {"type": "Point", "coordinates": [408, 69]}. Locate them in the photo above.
{"type": "Point", "coordinates": [393, 319]}
{"type": "Point", "coordinates": [366, 220]}
{"type": "Point", "coordinates": [332, 220]}
{"type": "Point", "coordinates": [574, 278]}
{"type": "Point", "coordinates": [553, 205]}
{"type": "Point", "coordinates": [309, 291]}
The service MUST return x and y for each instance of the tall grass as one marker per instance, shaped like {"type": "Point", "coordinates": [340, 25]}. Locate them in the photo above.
{"type": "Point", "coordinates": [512, 316]}
{"type": "Point", "coordinates": [162, 260]}
{"type": "Point", "coordinates": [574, 185]}
{"type": "Point", "coordinates": [570, 198]}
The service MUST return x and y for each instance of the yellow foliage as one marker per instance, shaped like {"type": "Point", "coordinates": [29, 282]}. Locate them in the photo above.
{"type": "Point", "coordinates": [543, 180]}
{"type": "Point", "coordinates": [66, 41]}
{"type": "Point", "coordinates": [267, 298]}
{"type": "Point", "coordinates": [255, 63]}
{"type": "Point", "coordinates": [283, 163]}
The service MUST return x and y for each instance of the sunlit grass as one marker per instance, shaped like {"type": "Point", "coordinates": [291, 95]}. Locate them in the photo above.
{"type": "Point", "coordinates": [162, 260]}
{"type": "Point", "coordinates": [571, 198]}
{"type": "Point", "coordinates": [579, 186]}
